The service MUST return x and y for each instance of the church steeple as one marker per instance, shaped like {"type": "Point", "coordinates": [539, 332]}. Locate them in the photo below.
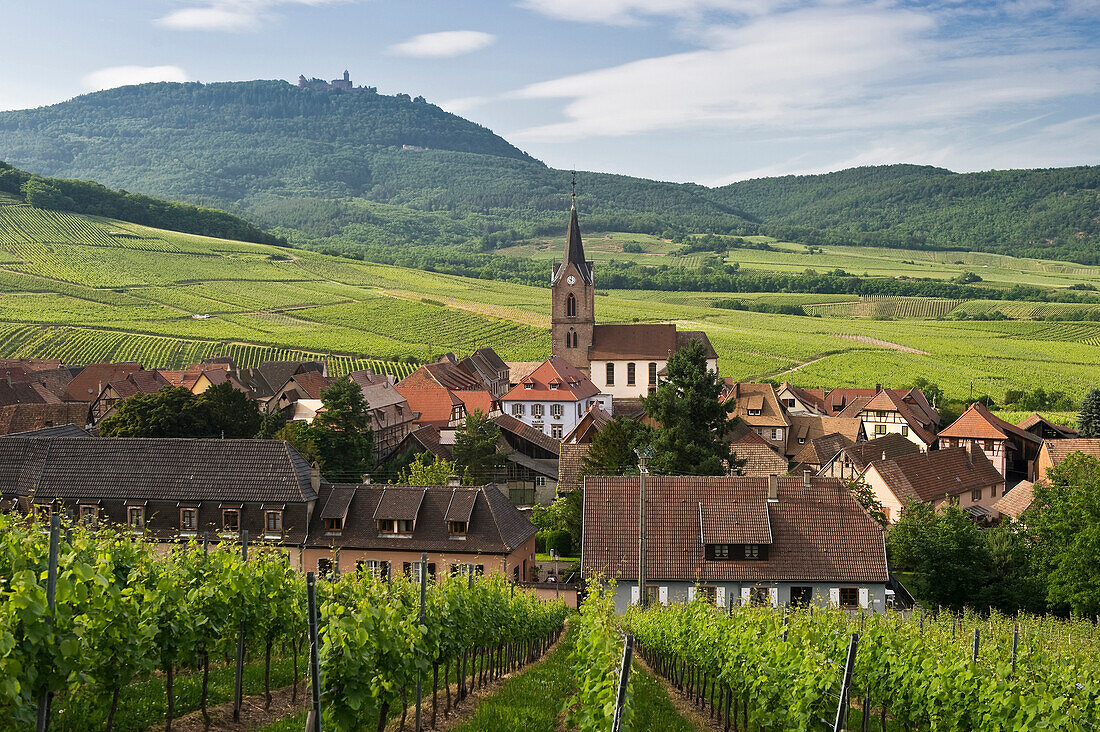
{"type": "Point", "coordinates": [572, 298]}
{"type": "Point", "coordinates": [574, 248]}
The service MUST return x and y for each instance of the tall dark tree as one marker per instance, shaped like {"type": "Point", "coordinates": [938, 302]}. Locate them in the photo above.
{"type": "Point", "coordinates": [171, 412]}
{"type": "Point", "coordinates": [1088, 422]}
{"type": "Point", "coordinates": [612, 450]}
{"type": "Point", "coordinates": [475, 449]}
{"type": "Point", "coordinates": [342, 432]}
{"type": "Point", "coordinates": [229, 412]}
{"type": "Point", "coordinates": [692, 437]}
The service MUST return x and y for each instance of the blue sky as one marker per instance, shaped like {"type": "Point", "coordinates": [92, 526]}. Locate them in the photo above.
{"type": "Point", "coordinates": [688, 90]}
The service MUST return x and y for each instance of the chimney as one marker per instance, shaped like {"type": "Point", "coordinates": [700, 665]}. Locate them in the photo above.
{"type": "Point", "coordinates": [773, 487]}
{"type": "Point", "coordinates": [366, 478]}
{"type": "Point", "coordinates": [453, 481]}
{"type": "Point", "coordinates": [883, 454]}
{"type": "Point", "coordinates": [970, 452]}
{"type": "Point", "coordinates": [315, 476]}
{"type": "Point", "coordinates": [807, 475]}
{"type": "Point", "coordinates": [878, 388]}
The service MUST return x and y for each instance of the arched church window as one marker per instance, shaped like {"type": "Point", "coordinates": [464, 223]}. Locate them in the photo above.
{"type": "Point", "coordinates": [571, 339]}
{"type": "Point", "coordinates": [571, 306]}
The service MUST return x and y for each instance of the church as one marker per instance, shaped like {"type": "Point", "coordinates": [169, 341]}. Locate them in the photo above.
{"type": "Point", "coordinates": [624, 361]}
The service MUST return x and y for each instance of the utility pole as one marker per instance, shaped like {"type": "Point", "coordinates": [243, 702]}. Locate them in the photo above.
{"type": "Point", "coordinates": [643, 454]}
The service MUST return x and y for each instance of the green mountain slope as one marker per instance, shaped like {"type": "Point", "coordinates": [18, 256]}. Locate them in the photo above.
{"type": "Point", "coordinates": [394, 179]}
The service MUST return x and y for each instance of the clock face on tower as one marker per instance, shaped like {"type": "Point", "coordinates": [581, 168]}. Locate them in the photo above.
{"type": "Point", "coordinates": [571, 280]}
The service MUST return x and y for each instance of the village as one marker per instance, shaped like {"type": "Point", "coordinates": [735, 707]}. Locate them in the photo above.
{"type": "Point", "coordinates": [782, 526]}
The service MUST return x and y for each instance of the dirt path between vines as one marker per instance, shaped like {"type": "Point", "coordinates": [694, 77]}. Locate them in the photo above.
{"type": "Point", "coordinates": [881, 343]}
{"type": "Point", "coordinates": [253, 714]}
{"type": "Point", "coordinates": [686, 709]}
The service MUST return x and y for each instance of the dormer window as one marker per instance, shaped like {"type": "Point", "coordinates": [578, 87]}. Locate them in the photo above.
{"type": "Point", "coordinates": [528, 385]}
{"type": "Point", "coordinates": [396, 527]}
{"type": "Point", "coordinates": [457, 528]}
{"type": "Point", "coordinates": [334, 525]}
{"type": "Point", "coordinates": [754, 412]}
{"type": "Point", "coordinates": [43, 511]}
{"type": "Point", "coordinates": [726, 552]}
{"type": "Point", "coordinates": [554, 386]}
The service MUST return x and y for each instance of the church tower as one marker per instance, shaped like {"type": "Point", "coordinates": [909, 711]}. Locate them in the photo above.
{"type": "Point", "coordinates": [572, 300]}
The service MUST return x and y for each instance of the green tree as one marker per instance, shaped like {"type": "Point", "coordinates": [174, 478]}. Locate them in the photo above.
{"type": "Point", "coordinates": [612, 449]}
{"type": "Point", "coordinates": [1088, 422]}
{"type": "Point", "coordinates": [302, 437]}
{"type": "Point", "coordinates": [171, 412]}
{"type": "Point", "coordinates": [475, 450]}
{"type": "Point", "coordinates": [230, 412]}
{"type": "Point", "coordinates": [42, 193]}
{"type": "Point", "coordinates": [426, 469]}
{"type": "Point", "coordinates": [342, 432]}
{"type": "Point", "coordinates": [270, 424]}
{"type": "Point", "coordinates": [693, 424]}
{"type": "Point", "coordinates": [1064, 520]}
{"type": "Point", "coordinates": [869, 501]}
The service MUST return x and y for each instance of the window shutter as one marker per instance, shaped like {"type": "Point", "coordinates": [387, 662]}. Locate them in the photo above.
{"type": "Point", "coordinates": [634, 595]}
{"type": "Point", "coordinates": [834, 596]}
{"type": "Point", "coordinates": [720, 597]}
{"type": "Point", "coordinates": [864, 597]}
{"type": "Point", "coordinates": [773, 594]}
{"type": "Point", "coordinates": [746, 596]}
{"type": "Point", "coordinates": [662, 595]}
{"type": "Point", "coordinates": [691, 593]}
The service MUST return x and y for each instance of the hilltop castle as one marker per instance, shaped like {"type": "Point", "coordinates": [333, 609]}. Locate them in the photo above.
{"type": "Point", "coordinates": [343, 84]}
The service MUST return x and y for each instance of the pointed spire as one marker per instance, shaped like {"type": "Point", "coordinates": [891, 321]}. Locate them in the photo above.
{"type": "Point", "coordinates": [574, 248]}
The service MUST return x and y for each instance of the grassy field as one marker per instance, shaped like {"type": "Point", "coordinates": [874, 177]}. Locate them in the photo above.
{"type": "Point", "coordinates": [268, 303]}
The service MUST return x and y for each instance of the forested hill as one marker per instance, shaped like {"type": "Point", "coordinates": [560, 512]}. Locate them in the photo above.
{"type": "Point", "coordinates": [1053, 213]}
{"type": "Point", "coordinates": [93, 199]}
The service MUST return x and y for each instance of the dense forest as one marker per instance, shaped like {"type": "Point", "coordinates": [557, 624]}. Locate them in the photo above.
{"type": "Point", "coordinates": [93, 199]}
{"type": "Point", "coordinates": [370, 175]}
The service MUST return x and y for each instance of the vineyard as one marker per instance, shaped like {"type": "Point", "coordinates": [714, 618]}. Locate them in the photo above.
{"type": "Point", "coordinates": [765, 668]}
{"type": "Point", "coordinates": [882, 306]}
{"type": "Point", "coordinates": [120, 613]}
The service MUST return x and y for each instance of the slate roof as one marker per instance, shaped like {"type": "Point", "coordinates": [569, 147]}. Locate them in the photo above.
{"type": "Point", "coordinates": [574, 251]}
{"type": "Point", "coordinates": [1016, 500]}
{"type": "Point", "coordinates": [572, 385]}
{"type": "Point", "coordinates": [337, 502]}
{"type": "Point", "coordinates": [932, 476]}
{"type": "Point", "coordinates": [977, 422]}
{"type": "Point", "coordinates": [160, 469]}
{"type": "Point", "coordinates": [819, 533]}
{"type": "Point", "coordinates": [495, 525]}
{"type": "Point", "coordinates": [27, 417]}
{"type": "Point", "coordinates": [761, 459]}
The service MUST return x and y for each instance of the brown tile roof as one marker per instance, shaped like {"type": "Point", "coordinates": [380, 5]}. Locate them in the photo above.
{"type": "Point", "coordinates": [977, 422]}
{"type": "Point", "coordinates": [434, 404]}
{"type": "Point", "coordinates": [25, 392]}
{"type": "Point", "coordinates": [452, 376]}
{"type": "Point", "coordinates": [164, 469]}
{"type": "Point", "coordinates": [277, 373]}
{"type": "Point", "coordinates": [633, 340]}
{"type": "Point", "coordinates": [399, 502]}
{"type": "Point", "coordinates": [86, 385]}
{"type": "Point", "coordinates": [527, 432]}
{"type": "Point", "coordinates": [854, 407]}
{"type": "Point", "coordinates": [886, 447]}
{"type": "Point", "coordinates": [732, 521]}
{"type": "Point", "coordinates": [312, 383]}
{"type": "Point", "coordinates": [685, 337]}
{"type": "Point", "coordinates": [429, 438]}
{"type": "Point", "coordinates": [588, 426]}
{"type": "Point", "coordinates": [1016, 500]}
{"type": "Point", "coordinates": [570, 465]}
{"type": "Point", "coordinates": [810, 397]}
{"type": "Point", "coordinates": [1059, 450]}
{"type": "Point", "coordinates": [1037, 420]}
{"type": "Point", "coordinates": [810, 427]}
{"type": "Point", "coordinates": [819, 533]}
{"type": "Point", "coordinates": [139, 382]}
{"type": "Point", "coordinates": [761, 459]}
{"type": "Point", "coordinates": [571, 384]}
{"type": "Point", "coordinates": [461, 506]}
{"type": "Point", "coordinates": [31, 364]}
{"type": "Point", "coordinates": [337, 502]}
{"type": "Point", "coordinates": [821, 450]}
{"type": "Point", "coordinates": [519, 370]}
{"type": "Point", "coordinates": [758, 396]}
{"type": "Point", "coordinates": [932, 476]}
{"type": "Point", "coordinates": [477, 399]}
{"type": "Point", "coordinates": [888, 400]}
{"type": "Point", "coordinates": [495, 525]}
{"type": "Point", "coordinates": [27, 417]}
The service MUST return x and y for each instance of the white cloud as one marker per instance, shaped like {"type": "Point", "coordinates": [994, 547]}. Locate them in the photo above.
{"type": "Point", "coordinates": [113, 76]}
{"type": "Point", "coordinates": [462, 105]}
{"type": "Point", "coordinates": [232, 16]}
{"type": "Point", "coordinates": [629, 12]}
{"type": "Point", "coordinates": [443, 44]}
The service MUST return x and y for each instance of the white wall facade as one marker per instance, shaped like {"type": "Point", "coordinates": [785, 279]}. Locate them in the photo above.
{"type": "Point", "coordinates": [621, 388]}
{"type": "Point", "coordinates": [889, 423]}
{"type": "Point", "coordinates": [548, 423]}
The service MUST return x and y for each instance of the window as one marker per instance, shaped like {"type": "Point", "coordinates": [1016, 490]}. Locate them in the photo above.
{"type": "Point", "coordinates": [373, 567]}
{"type": "Point", "coordinates": [569, 342]}
{"type": "Point", "coordinates": [801, 440]}
{"type": "Point", "coordinates": [801, 596]}
{"type": "Point", "coordinates": [574, 340]}
{"type": "Point", "coordinates": [537, 410]}
{"type": "Point", "coordinates": [992, 491]}
{"type": "Point", "coordinates": [554, 386]}
{"type": "Point", "coordinates": [457, 528]}
{"type": "Point", "coordinates": [518, 410]}
{"type": "Point", "coordinates": [752, 551]}
{"type": "Point", "coordinates": [537, 424]}
{"type": "Point", "coordinates": [189, 519]}
{"type": "Point", "coordinates": [463, 569]}
{"type": "Point", "coordinates": [708, 593]}
{"type": "Point", "coordinates": [988, 446]}
{"type": "Point", "coordinates": [273, 522]}
{"type": "Point", "coordinates": [652, 373]}
{"type": "Point", "coordinates": [976, 495]}
{"type": "Point", "coordinates": [135, 517]}
{"type": "Point", "coordinates": [556, 431]}
{"type": "Point", "coordinates": [849, 597]}
{"type": "Point", "coordinates": [759, 596]}
{"type": "Point", "coordinates": [413, 569]}
{"type": "Point", "coordinates": [630, 374]}
{"type": "Point", "coordinates": [789, 402]}
{"type": "Point", "coordinates": [777, 434]}
{"type": "Point", "coordinates": [528, 384]}
{"type": "Point", "coordinates": [880, 429]}
{"type": "Point", "coordinates": [334, 525]}
{"type": "Point", "coordinates": [754, 412]}
{"type": "Point", "coordinates": [905, 430]}
{"type": "Point", "coordinates": [610, 374]}
{"type": "Point", "coordinates": [324, 566]}
{"type": "Point", "coordinates": [556, 411]}
{"type": "Point", "coordinates": [718, 551]}
{"type": "Point", "coordinates": [571, 306]}
{"type": "Point", "coordinates": [540, 481]}
{"type": "Point", "coordinates": [89, 515]}
{"type": "Point", "coordinates": [43, 511]}
{"type": "Point", "coordinates": [231, 519]}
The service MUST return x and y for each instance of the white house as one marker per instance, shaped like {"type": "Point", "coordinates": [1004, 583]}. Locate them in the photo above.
{"type": "Point", "coordinates": [553, 398]}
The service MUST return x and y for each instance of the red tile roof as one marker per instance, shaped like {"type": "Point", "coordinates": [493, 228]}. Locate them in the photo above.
{"type": "Point", "coordinates": [1016, 500]}
{"type": "Point", "coordinates": [571, 384]}
{"type": "Point", "coordinates": [935, 475]}
{"type": "Point", "coordinates": [819, 533]}
{"type": "Point", "coordinates": [978, 423]}
{"type": "Point", "coordinates": [888, 400]}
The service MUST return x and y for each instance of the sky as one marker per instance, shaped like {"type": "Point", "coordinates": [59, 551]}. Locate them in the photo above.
{"type": "Point", "coordinates": [709, 91]}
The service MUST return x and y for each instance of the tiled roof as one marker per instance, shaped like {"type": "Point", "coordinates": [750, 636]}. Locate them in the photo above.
{"type": "Point", "coordinates": [312, 383]}
{"type": "Point", "coordinates": [855, 406]}
{"type": "Point", "coordinates": [570, 465]}
{"type": "Point", "coordinates": [1038, 420]}
{"type": "Point", "coordinates": [25, 392]}
{"type": "Point", "coordinates": [31, 364]}
{"type": "Point", "coordinates": [888, 400]}
{"type": "Point", "coordinates": [732, 521]}
{"type": "Point", "coordinates": [633, 340]}
{"type": "Point", "coordinates": [685, 337]}
{"type": "Point", "coordinates": [139, 382]}
{"type": "Point", "coordinates": [821, 450]}
{"type": "Point", "coordinates": [886, 447]}
{"type": "Point", "coordinates": [819, 533]}
{"type": "Point", "coordinates": [86, 385]}
{"type": "Point", "coordinates": [588, 426]}
{"type": "Point", "coordinates": [977, 422]}
{"type": "Point", "coordinates": [1016, 500]}
{"type": "Point", "coordinates": [810, 427]}
{"type": "Point", "coordinates": [434, 404]}
{"type": "Point", "coordinates": [480, 400]}
{"type": "Point", "coordinates": [337, 502]}
{"type": "Point", "coordinates": [813, 398]}
{"type": "Point", "coordinates": [1059, 450]}
{"type": "Point", "coordinates": [399, 503]}
{"type": "Point", "coordinates": [495, 525]}
{"type": "Point", "coordinates": [520, 370]}
{"type": "Point", "coordinates": [761, 459]}
{"type": "Point", "coordinates": [572, 385]}
{"type": "Point", "coordinates": [277, 373]}
{"type": "Point", "coordinates": [758, 396]}
{"type": "Point", "coordinates": [452, 376]}
{"type": "Point", "coordinates": [61, 430]}
{"type": "Point", "coordinates": [527, 432]}
{"type": "Point", "coordinates": [377, 389]}
{"type": "Point", "coordinates": [166, 469]}
{"type": "Point", "coordinates": [428, 437]}
{"type": "Point", "coordinates": [932, 476]}
{"type": "Point", "coordinates": [27, 417]}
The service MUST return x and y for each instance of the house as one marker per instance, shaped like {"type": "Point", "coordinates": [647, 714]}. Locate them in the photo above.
{"type": "Point", "coordinates": [170, 489]}
{"type": "Point", "coordinates": [796, 400]}
{"type": "Point", "coordinates": [819, 451]}
{"type": "Point", "coordinates": [1012, 449]}
{"type": "Point", "coordinates": [553, 398]}
{"type": "Point", "coordinates": [491, 368]}
{"type": "Point", "coordinates": [391, 417]}
{"type": "Point", "coordinates": [854, 459]}
{"type": "Point", "coordinates": [758, 407]}
{"type": "Point", "coordinates": [520, 370]}
{"type": "Point", "coordinates": [760, 458]}
{"type": "Point", "coordinates": [27, 417]}
{"type": "Point", "coordinates": [61, 430]}
{"type": "Point", "coordinates": [383, 529]}
{"type": "Point", "coordinates": [531, 462]}
{"type": "Point", "coordinates": [760, 541]}
{"type": "Point", "coordinates": [899, 411]}
{"type": "Point", "coordinates": [444, 392]}
{"type": "Point", "coordinates": [136, 382]}
{"type": "Point", "coordinates": [1044, 429]}
{"type": "Point", "coordinates": [1016, 500]}
{"type": "Point", "coordinates": [1053, 452]}
{"type": "Point", "coordinates": [623, 361]}
{"type": "Point", "coordinates": [806, 428]}
{"type": "Point", "coordinates": [16, 387]}
{"type": "Point", "coordinates": [299, 398]}
{"type": "Point", "coordinates": [575, 446]}
{"type": "Point", "coordinates": [426, 438]}
{"type": "Point", "coordinates": [955, 473]}
{"type": "Point", "coordinates": [88, 384]}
